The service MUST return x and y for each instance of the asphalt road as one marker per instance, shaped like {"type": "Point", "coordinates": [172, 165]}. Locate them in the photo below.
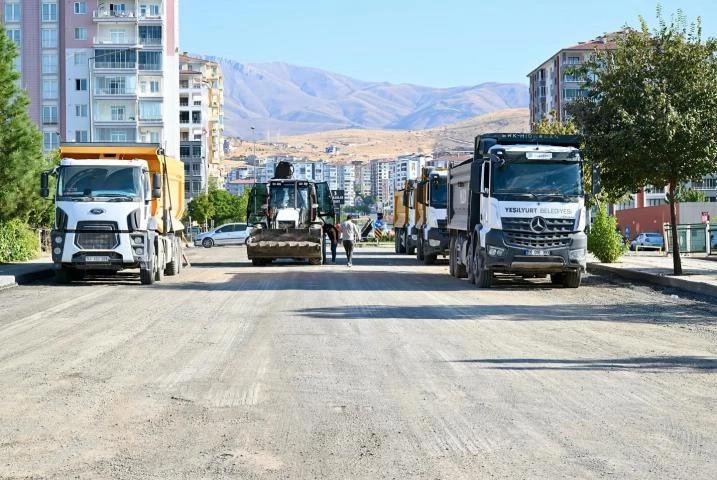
{"type": "Point", "coordinates": [389, 369]}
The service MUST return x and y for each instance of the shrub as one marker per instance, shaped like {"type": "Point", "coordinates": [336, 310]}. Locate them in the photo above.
{"type": "Point", "coordinates": [603, 240]}
{"type": "Point", "coordinates": [18, 242]}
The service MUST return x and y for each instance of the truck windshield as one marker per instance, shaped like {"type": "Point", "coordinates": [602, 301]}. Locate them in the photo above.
{"type": "Point", "coordinates": [289, 195]}
{"type": "Point", "coordinates": [98, 181]}
{"type": "Point", "coordinates": [439, 192]}
{"type": "Point", "coordinates": [559, 179]}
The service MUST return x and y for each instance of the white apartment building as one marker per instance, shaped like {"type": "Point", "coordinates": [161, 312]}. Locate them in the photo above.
{"type": "Point", "coordinates": [201, 122]}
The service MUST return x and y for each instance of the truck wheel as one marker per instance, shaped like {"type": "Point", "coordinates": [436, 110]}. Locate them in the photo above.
{"type": "Point", "coordinates": [572, 279]}
{"type": "Point", "coordinates": [146, 275]}
{"type": "Point", "coordinates": [419, 249]}
{"type": "Point", "coordinates": [172, 267]}
{"type": "Point", "coordinates": [556, 278]}
{"type": "Point", "coordinates": [470, 266]}
{"type": "Point", "coordinates": [429, 259]}
{"type": "Point", "coordinates": [315, 261]}
{"type": "Point", "coordinates": [411, 250]}
{"type": "Point", "coordinates": [460, 268]}
{"type": "Point", "coordinates": [397, 241]}
{"type": "Point", "coordinates": [483, 277]}
{"type": "Point", "coordinates": [452, 257]}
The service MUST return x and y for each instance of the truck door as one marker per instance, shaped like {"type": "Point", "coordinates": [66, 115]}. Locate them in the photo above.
{"type": "Point", "coordinates": [255, 209]}
{"type": "Point", "coordinates": [325, 201]}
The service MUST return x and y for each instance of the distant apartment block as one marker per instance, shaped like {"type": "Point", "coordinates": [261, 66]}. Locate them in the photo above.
{"type": "Point", "coordinates": [201, 122]}
{"type": "Point", "coordinates": [553, 86]}
{"type": "Point", "coordinates": [99, 71]}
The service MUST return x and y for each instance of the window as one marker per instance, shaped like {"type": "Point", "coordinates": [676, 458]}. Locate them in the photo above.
{"type": "Point", "coordinates": [49, 63]}
{"type": "Point", "coordinates": [183, 102]}
{"type": "Point", "coordinates": [80, 7]}
{"type": "Point", "coordinates": [184, 151]}
{"type": "Point", "coordinates": [184, 117]}
{"type": "Point", "coordinates": [154, 86]}
{"type": "Point", "coordinates": [49, 88]}
{"type": "Point", "coordinates": [197, 151]}
{"type": "Point", "coordinates": [14, 34]}
{"type": "Point", "coordinates": [13, 12]}
{"type": "Point", "coordinates": [49, 11]}
{"type": "Point", "coordinates": [118, 36]}
{"type": "Point", "coordinates": [570, 93]}
{"type": "Point", "coordinates": [572, 61]}
{"type": "Point", "coordinates": [154, 137]}
{"type": "Point", "coordinates": [118, 136]}
{"type": "Point", "coordinates": [118, 9]}
{"type": "Point", "coordinates": [80, 58]}
{"type": "Point", "coordinates": [150, 35]}
{"type": "Point", "coordinates": [150, 60]}
{"type": "Point", "coordinates": [118, 113]}
{"type": "Point", "coordinates": [80, 110]}
{"type": "Point", "coordinates": [80, 33]}
{"type": "Point", "coordinates": [49, 37]}
{"type": "Point", "coordinates": [196, 169]}
{"type": "Point", "coordinates": [49, 114]}
{"type": "Point", "coordinates": [50, 140]}
{"type": "Point", "coordinates": [196, 117]}
{"type": "Point", "coordinates": [154, 10]}
{"type": "Point", "coordinates": [81, 84]}
{"type": "Point", "coordinates": [184, 84]}
{"type": "Point", "coordinates": [150, 110]}
{"type": "Point", "coordinates": [81, 135]}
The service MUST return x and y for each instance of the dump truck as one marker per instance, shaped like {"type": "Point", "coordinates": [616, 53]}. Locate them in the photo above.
{"type": "Point", "coordinates": [288, 216]}
{"type": "Point", "coordinates": [518, 208]}
{"type": "Point", "coordinates": [117, 206]}
{"type": "Point", "coordinates": [404, 217]}
{"type": "Point", "coordinates": [430, 232]}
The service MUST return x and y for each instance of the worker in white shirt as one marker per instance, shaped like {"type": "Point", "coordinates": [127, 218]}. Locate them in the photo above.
{"type": "Point", "coordinates": [350, 234]}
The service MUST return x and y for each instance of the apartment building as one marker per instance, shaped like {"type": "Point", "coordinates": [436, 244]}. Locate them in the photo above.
{"type": "Point", "coordinates": [553, 86]}
{"type": "Point", "coordinates": [99, 71]}
{"type": "Point", "coordinates": [201, 122]}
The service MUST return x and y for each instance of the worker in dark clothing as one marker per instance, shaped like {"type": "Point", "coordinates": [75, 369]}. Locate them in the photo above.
{"type": "Point", "coordinates": [333, 234]}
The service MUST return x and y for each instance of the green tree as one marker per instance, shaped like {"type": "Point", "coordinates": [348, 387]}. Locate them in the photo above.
{"type": "Point", "coordinates": [650, 115]}
{"type": "Point", "coordinates": [227, 207]}
{"type": "Point", "coordinates": [200, 208]}
{"type": "Point", "coordinates": [21, 157]}
{"type": "Point", "coordinates": [604, 240]}
{"type": "Point", "coordinates": [691, 195]}
{"type": "Point", "coordinates": [550, 124]}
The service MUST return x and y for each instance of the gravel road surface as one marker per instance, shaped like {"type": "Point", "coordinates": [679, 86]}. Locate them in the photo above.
{"type": "Point", "coordinates": [390, 369]}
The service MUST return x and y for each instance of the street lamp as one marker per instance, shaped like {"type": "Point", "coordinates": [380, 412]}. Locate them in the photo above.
{"type": "Point", "coordinates": [253, 134]}
{"type": "Point", "coordinates": [90, 87]}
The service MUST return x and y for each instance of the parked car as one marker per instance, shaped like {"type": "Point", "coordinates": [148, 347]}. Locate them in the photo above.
{"type": "Point", "coordinates": [227, 234]}
{"type": "Point", "coordinates": [645, 240]}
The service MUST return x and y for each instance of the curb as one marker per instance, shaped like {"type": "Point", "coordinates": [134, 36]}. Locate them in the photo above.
{"type": "Point", "coordinates": [663, 281]}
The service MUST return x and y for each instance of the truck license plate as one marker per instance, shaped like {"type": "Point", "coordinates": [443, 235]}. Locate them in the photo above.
{"type": "Point", "coordinates": [97, 259]}
{"type": "Point", "coordinates": [535, 252]}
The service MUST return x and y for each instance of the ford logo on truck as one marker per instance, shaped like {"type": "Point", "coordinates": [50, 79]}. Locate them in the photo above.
{"type": "Point", "coordinates": [97, 211]}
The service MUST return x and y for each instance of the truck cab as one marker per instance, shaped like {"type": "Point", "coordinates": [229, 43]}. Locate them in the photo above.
{"type": "Point", "coordinates": [431, 203]}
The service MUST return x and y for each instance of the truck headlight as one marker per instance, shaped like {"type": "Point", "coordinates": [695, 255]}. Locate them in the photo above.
{"type": "Point", "coordinates": [57, 250]}
{"type": "Point", "coordinates": [578, 254]}
{"type": "Point", "coordinates": [496, 251]}
{"type": "Point", "coordinates": [58, 239]}
{"type": "Point", "coordinates": [138, 240]}
{"type": "Point", "coordinates": [434, 243]}
{"type": "Point", "coordinates": [139, 251]}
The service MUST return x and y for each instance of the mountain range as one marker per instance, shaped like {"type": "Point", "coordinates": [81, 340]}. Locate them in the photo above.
{"type": "Point", "coordinates": [279, 99]}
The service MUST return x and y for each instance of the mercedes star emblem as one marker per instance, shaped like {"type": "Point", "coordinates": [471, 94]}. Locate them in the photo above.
{"type": "Point", "coordinates": [538, 224]}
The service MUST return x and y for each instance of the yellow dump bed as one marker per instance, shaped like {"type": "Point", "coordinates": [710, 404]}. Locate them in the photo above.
{"type": "Point", "coordinates": [172, 176]}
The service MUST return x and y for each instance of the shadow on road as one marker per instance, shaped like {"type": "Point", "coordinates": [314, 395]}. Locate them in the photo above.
{"type": "Point", "coordinates": [625, 313]}
{"type": "Point", "coordinates": [629, 363]}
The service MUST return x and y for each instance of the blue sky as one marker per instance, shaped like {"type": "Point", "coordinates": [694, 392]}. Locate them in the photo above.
{"type": "Point", "coordinates": [438, 43]}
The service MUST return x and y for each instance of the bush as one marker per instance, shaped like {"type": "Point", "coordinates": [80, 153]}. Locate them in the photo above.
{"type": "Point", "coordinates": [603, 240]}
{"type": "Point", "coordinates": [18, 243]}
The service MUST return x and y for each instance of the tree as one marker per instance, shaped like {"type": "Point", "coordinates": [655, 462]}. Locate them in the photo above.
{"type": "Point", "coordinates": [21, 157]}
{"type": "Point", "coordinates": [650, 114]}
{"type": "Point", "coordinates": [691, 195]}
{"type": "Point", "coordinates": [550, 124]}
{"type": "Point", "coordinates": [227, 207]}
{"type": "Point", "coordinates": [200, 208]}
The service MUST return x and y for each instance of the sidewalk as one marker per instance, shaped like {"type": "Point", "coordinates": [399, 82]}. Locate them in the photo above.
{"type": "Point", "coordinates": [699, 273]}
{"type": "Point", "coordinates": [12, 274]}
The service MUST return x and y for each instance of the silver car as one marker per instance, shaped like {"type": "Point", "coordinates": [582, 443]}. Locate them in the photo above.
{"type": "Point", "coordinates": [227, 234]}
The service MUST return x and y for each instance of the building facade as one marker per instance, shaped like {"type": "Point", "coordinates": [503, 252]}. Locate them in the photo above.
{"type": "Point", "coordinates": [99, 71]}
{"type": "Point", "coordinates": [201, 122]}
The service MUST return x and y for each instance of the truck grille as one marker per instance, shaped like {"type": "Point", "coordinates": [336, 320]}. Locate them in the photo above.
{"type": "Point", "coordinates": [97, 235]}
{"type": "Point", "coordinates": [517, 233]}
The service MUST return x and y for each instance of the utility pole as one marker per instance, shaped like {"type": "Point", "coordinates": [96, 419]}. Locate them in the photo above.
{"type": "Point", "coordinates": [253, 134]}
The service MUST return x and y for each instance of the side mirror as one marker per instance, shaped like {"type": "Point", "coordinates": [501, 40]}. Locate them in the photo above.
{"type": "Point", "coordinates": [156, 185]}
{"type": "Point", "coordinates": [45, 184]}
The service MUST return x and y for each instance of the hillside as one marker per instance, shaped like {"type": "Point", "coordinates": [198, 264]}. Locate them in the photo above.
{"type": "Point", "coordinates": [355, 144]}
{"type": "Point", "coordinates": [279, 99]}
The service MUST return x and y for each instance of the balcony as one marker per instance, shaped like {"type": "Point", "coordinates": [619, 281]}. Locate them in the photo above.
{"type": "Point", "coordinates": [118, 41]}
{"type": "Point", "coordinates": [114, 92]}
{"type": "Point", "coordinates": [112, 65]}
{"type": "Point", "coordinates": [113, 16]}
